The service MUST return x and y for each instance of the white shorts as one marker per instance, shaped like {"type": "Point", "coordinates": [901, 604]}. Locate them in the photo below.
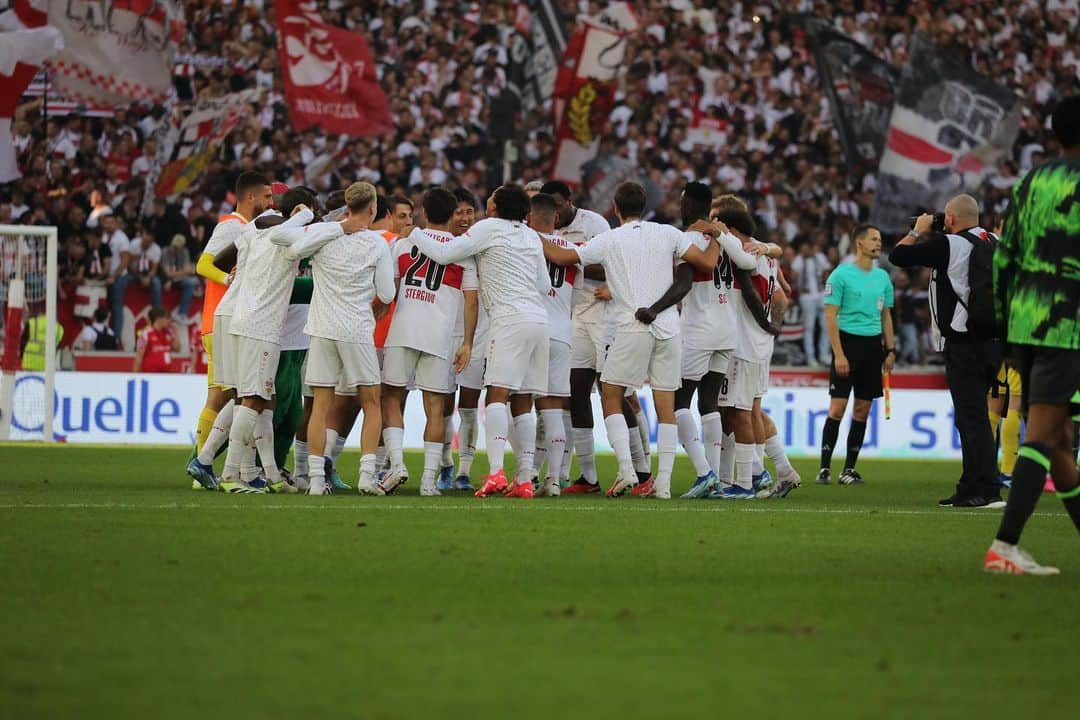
{"type": "Point", "coordinates": [558, 370]}
{"type": "Point", "coordinates": [472, 376]}
{"type": "Point", "coordinates": [225, 347]}
{"type": "Point", "coordinates": [763, 385]}
{"type": "Point", "coordinates": [635, 357]}
{"type": "Point", "coordinates": [517, 358]}
{"type": "Point", "coordinates": [256, 366]}
{"type": "Point", "coordinates": [588, 345]}
{"type": "Point", "coordinates": [740, 387]}
{"type": "Point", "coordinates": [697, 363]}
{"type": "Point", "coordinates": [308, 392]}
{"type": "Point", "coordinates": [405, 367]}
{"type": "Point", "coordinates": [341, 365]}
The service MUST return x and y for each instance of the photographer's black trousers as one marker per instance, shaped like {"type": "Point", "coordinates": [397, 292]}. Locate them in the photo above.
{"type": "Point", "coordinates": [970, 369]}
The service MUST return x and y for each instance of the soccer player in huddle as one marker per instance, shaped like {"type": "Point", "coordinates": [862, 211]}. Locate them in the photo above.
{"type": "Point", "coordinates": [423, 347]}
{"type": "Point", "coordinates": [514, 280]}
{"type": "Point", "coordinates": [638, 259]}
{"type": "Point", "coordinates": [554, 407]}
{"type": "Point", "coordinates": [351, 267]}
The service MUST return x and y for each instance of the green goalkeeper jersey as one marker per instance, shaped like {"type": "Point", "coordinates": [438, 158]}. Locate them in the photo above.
{"type": "Point", "coordinates": [1037, 263]}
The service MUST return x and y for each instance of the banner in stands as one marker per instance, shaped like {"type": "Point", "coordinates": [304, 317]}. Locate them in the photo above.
{"type": "Point", "coordinates": [950, 126]}
{"type": "Point", "coordinates": [329, 74]}
{"type": "Point", "coordinates": [191, 144]}
{"type": "Point", "coordinates": [163, 409]}
{"type": "Point", "coordinates": [860, 87]}
{"type": "Point", "coordinates": [535, 47]}
{"type": "Point", "coordinates": [585, 87]}
{"type": "Point", "coordinates": [116, 51]}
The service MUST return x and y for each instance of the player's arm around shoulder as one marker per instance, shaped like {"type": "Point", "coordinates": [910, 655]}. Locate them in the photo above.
{"type": "Point", "coordinates": [564, 253]}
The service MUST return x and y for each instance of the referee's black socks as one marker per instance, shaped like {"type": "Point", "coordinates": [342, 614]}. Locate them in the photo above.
{"type": "Point", "coordinates": [829, 435]}
{"type": "Point", "coordinates": [855, 436]}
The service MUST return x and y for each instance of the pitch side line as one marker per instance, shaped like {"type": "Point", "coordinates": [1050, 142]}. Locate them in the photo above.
{"type": "Point", "coordinates": [507, 506]}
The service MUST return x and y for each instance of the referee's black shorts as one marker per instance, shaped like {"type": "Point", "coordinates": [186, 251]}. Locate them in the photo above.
{"type": "Point", "coordinates": [865, 354]}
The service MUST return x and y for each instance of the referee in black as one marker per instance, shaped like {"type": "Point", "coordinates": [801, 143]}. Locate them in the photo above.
{"type": "Point", "coordinates": [858, 318]}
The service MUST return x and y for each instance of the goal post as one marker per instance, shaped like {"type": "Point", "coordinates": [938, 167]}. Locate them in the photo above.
{"type": "Point", "coordinates": [28, 296]}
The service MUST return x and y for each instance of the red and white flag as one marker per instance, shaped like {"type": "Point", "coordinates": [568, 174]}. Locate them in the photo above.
{"type": "Point", "coordinates": [585, 88]}
{"type": "Point", "coordinates": [329, 74]}
{"type": "Point", "coordinates": [115, 51]}
{"type": "Point", "coordinates": [24, 45]}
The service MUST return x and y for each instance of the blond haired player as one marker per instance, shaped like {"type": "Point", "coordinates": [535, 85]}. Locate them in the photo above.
{"type": "Point", "coordinates": [351, 266]}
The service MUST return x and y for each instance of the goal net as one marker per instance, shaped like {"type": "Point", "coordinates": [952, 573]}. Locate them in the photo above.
{"type": "Point", "coordinates": [28, 331]}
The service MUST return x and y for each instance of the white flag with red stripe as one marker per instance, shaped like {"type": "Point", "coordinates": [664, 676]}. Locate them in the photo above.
{"type": "Point", "coordinates": [116, 51]}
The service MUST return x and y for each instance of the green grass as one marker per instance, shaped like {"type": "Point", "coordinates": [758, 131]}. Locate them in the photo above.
{"type": "Point", "coordinates": [127, 595]}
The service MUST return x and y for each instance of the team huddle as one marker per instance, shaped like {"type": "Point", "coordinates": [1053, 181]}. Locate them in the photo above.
{"type": "Point", "coordinates": [312, 320]}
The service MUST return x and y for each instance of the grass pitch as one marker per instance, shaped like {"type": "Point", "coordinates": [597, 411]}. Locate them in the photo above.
{"type": "Point", "coordinates": [127, 595]}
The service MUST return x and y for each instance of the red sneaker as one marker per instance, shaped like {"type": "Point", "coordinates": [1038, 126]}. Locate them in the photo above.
{"type": "Point", "coordinates": [621, 485]}
{"type": "Point", "coordinates": [581, 486]}
{"type": "Point", "coordinates": [493, 485]}
{"type": "Point", "coordinates": [1049, 486]}
{"type": "Point", "coordinates": [520, 490]}
{"type": "Point", "coordinates": [643, 489]}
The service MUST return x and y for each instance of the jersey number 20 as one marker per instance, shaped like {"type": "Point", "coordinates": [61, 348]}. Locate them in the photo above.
{"type": "Point", "coordinates": [433, 274]}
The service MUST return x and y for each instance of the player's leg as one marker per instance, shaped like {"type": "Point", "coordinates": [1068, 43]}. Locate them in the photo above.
{"type": "Point", "coordinates": [641, 422]}
{"type": "Point", "coordinates": [541, 448]}
{"type": "Point", "coordinates": [744, 382]}
{"type": "Point", "coordinates": [860, 413]}
{"type": "Point", "coordinates": [468, 404]}
{"type": "Point", "coordinates": [289, 409]}
{"type": "Point", "coordinates": [524, 430]}
{"type": "Point", "coordinates": [323, 398]}
{"type": "Point", "coordinates": [712, 424]}
{"type": "Point", "coordinates": [1011, 426]}
{"type": "Point", "coordinates": [583, 374]}
{"type": "Point", "coordinates": [399, 370]}
{"type": "Point", "coordinates": [787, 479]}
{"type": "Point", "coordinates": [618, 433]}
{"type": "Point", "coordinates": [370, 402]}
{"type": "Point", "coordinates": [761, 477]}
{"type": "Point", "coordinates": [626, 365]}
{"type": "Point", "coordinates": [530, 353]}
{"type": "Point", "coordinates": [446, 465]}
{"type": "Point", "coordinates": [393, 425]}
{"type": "Point", "coordinates": [642, 469]}
{"type": "Point", "coordinates": [551, 412]}
{"type": "Point", "coordinates": [301, 450]}
{"type": "Point", "coordinates": [434, 406]}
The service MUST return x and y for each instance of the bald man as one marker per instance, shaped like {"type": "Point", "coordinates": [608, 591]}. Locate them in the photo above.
{"type": "Point", "coordinates": [971, 358]}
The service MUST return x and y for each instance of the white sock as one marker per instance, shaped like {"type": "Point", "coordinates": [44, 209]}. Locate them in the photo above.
{"type": "Point", "coordinates": [448, 442]}
{"type": "Point", "coordinates": [432, 459]}
{"type": "Point", "coordinates": [317, 474]}
{"type": "Point", "coordinates": [367, 468]}
{"type": "Point", "coordinates": [712, 436]}
{"type": "Point", "coordinates": [496, 430]}
{"type": "Point", "coordinates": [330, 445]}
{"type": "Point", "coordinates": [525, 432]}
{"type": "Point", "coordinates": [248, 469]}
{"type": "Point", "coordinates": [240, 434]}
{"type": "Point", "coordinates": [744, 465]}
{"type": "Point", "coordinates": [637, 452]}
{"type": "Point", "coordinates": [555, 439]}
{"type": "Point", "coordinates": [339, 445]}
{"type": "Point", "coordinates": [618, 434]}
{"type": "Point", "coordinates": [775, 450]}
{"type": "Point", "coordinates": [218, 435]}
{"type": "Point", "coordinates": [643, 433]}
{"type": "Point", "coordinates": [691, 441]}
{"type": "Point", "coordinates": [466, 439]}
{"type": "Point", "coordinates": [568, 429]}
{"type": "Point", "coordinates": [667, 436]}
{"type": "Point", "coordinates": [264, 443]}
{"type": "Point", "coordinates": [727, 459]}
{"type": "Point", "coordinates": [300, 457]}
{"type": "Point", "coordinates": [759, 458]}
{"type": "Point", "coordinates": [380, 457]}
{"type": "Point", "coordinates": [392, 438]}
{"type": "Point", "coordinates": [585, 447]}
{"type": "Point", "coordinates": [541, 443]}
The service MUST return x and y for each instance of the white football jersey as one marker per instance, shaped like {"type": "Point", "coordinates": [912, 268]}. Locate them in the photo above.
{"type": "Point", "coordinates": [429, 297]}
{"type": "Point", "coordinates": [224, 234]}
{"type": "Point", "coordinates": [261, 303]}
{"type": "Point", "coordinates": [350, 271]}
{"type": "Point", "coordinates": [559, 300]}
{"type": "Point", "coordinates": [639, 261]}
{"type": "Point", "coordinates": [755, 344]}
{"type": "Point", "coordinates": [509, 263]}
{"type": "Point", "coordinates": [709, 320]}
{"type": "Point", "coordinates": [241, 240]}
{"type": "Point", "coordinates": [584, 227]}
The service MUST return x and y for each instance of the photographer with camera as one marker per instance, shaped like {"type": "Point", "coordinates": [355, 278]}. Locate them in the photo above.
{"type": "Point", "coordinates": [961, 255]}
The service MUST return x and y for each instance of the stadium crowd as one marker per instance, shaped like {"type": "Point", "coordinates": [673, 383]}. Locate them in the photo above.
{"type": "Point", "coordinates": [745, 63]}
